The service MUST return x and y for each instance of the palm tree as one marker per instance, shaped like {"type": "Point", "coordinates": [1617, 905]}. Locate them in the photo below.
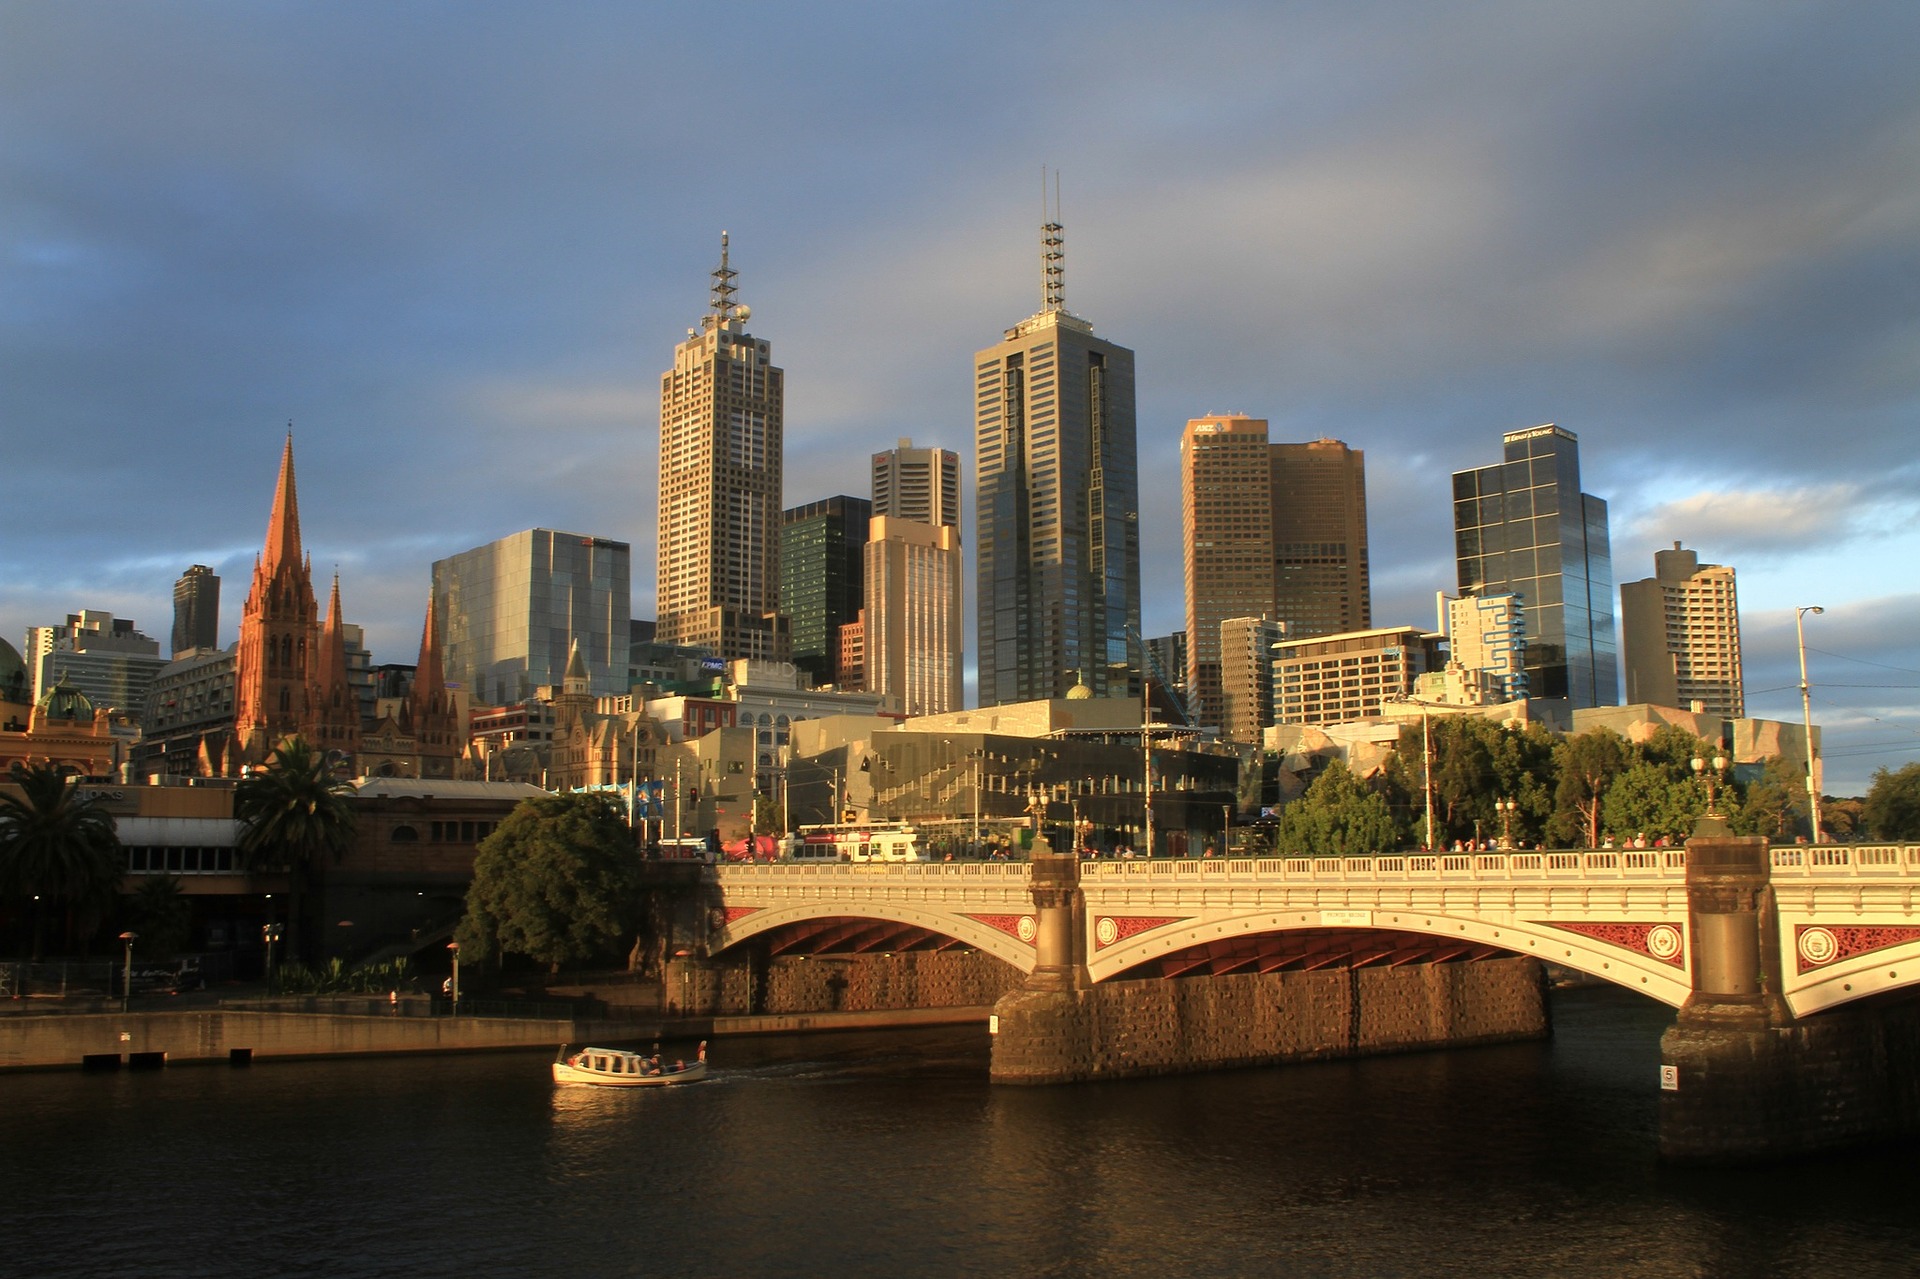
{"type": "Point", "coordinates": [57, 845]}
{"type": "Point", "coordinates": [294, 814]}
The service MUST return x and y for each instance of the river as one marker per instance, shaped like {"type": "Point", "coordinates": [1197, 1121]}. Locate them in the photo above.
{"type": "Point", "coordinates": [890, 1155]}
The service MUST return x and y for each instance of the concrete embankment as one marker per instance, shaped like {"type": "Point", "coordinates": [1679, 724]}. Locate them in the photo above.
{"type": "Point", "coordinates": [109, 1039]}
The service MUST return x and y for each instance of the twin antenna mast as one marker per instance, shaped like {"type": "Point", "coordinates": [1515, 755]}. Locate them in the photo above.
{"type": "Point", "coordinates": [1053, 248]}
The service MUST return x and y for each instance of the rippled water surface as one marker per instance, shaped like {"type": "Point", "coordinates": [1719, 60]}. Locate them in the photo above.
{"type": "Point", "coordinates": [890, 1155]}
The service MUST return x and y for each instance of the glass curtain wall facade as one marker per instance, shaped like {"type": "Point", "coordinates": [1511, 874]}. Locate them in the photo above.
{"type": "Point", "coordinates": [1524, 527]}
{"type": "Point", "coordinates": [1057, 525]}
{"type": "Point", "coordinates": [822, 578]}
{"type": "Point", "coordinates": [510, 611]}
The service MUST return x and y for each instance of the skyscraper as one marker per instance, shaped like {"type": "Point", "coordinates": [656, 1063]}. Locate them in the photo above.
{"type": "Point", "coordinates": [1226, 519]}
{"type": "Point", "coordinates": [1320, 572]}
{"type": "Point", "coordinates": [913, 619]}
{"type": "Point", "coordinates": [822, 577]}
{"type": "Point", "coordinates": [1680, 635]}
{"type": "Point", "coordinates": [720, 475]}
{"type": "Point", "coordinates": [510, 611]}
{"type": "Point", "coordinates": [917, 484]}
{"type": "Point", "coordinates": [196, 610]}
{"type": "Point", "coordinates": [1057, 518]}
{"type": "Point", "coordinates": [1523, 526]}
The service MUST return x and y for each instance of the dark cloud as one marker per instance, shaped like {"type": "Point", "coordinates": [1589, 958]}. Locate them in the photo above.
{"type": "Point", "coordinates": [456, 244]}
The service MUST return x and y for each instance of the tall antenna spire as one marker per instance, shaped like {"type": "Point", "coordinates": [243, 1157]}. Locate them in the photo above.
{"type": "Point", "coordinates": [723, 278]}
{"type": "Point", "coordinates": [1053, 249]}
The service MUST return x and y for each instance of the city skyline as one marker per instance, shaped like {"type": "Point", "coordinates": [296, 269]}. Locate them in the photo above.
{"type": "Point", "coordinates": [1690, 250]}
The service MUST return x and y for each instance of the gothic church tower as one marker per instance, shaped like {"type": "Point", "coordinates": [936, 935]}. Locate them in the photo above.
{"type": "Point", "coordinates": [274, 668]}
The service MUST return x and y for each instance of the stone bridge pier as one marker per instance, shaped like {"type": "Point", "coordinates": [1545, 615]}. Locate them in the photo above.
{"type": "Point", "coordinates": [1743, 1078]}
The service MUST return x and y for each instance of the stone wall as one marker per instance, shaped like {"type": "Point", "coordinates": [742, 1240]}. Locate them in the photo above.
{"type": "Point", "coordinates": [1741, 1092]}
{"type": "Point", "coordinates": [745, 984]}
{"type": "Point", "coordinates": [1156, 1027]}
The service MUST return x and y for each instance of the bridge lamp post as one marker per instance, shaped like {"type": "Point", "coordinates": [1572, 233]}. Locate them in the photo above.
{"type": "Point", "coordinates": [1505, 807]}
{"type": "Point", "coordinates": [1710, 771]}
{"type": "Point", "coordinates": [453, 983]}
{"type": "Point", "coordinates": [126, 980]}
{"type": "Point", "coordinates": [1806, 711]}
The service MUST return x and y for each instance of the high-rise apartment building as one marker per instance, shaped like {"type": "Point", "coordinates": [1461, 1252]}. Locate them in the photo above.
{"type": "Point", "coordinates": [1487, 640]}
{"type": "Point", "coordinates": [1247, 646]}
{"type": "Point", "coordinates": [721, 437]}
{"type": "Point", "coordinates": [1680, 636]}
{"type": "Point", "coordinates": [510, 611]}
{"type": "Point", "coordinates": [1226, 519]}
{"type": "Point", "coordinates": [917, 484]}
{"type": "Point", "coordinates": [103, 656]}
{"type": "Point", "coordinates": [822, 579]}
{"type": "Point", "coordinates": [1321, 582]}
{"type": "Point", "coordinates": [196, 611]}
{"type": "Point", "coordinates": [913, 621]}
{"type": "Point", "coordinates": [1057, 506]}
{"type": "Point", "coordinates": [1522, 526]}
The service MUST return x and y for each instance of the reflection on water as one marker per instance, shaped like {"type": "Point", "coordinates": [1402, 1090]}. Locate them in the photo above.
{"type": "Point", "coordinates": [890, 1155]}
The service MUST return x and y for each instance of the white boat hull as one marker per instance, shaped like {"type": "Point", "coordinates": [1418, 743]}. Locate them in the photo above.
{"type": "Point", "coordinates": [603, 1069]}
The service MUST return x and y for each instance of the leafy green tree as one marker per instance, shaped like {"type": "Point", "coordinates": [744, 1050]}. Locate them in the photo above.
{"type": "Point", "coordinates": [558, 882]}
{"type": "Point", "coordinates": [294, 816]}
{"type": "Point", "coordinates": [55, 843]}
{"type": "Point", "coordinates": [1524, 771]}
{"type": "Point", "coordinates": [1337, 817]}
{"type": "Point", "coordinates": [1769, 805]}
{"type": "Point", "coordinates": [1645, 799]}
{"type": "Point", "coordinates": [1587, 763]}
{"type": "Point", "coordinates": [162, 916]}
{"type": "Point", "coordinates": [1892, 809]}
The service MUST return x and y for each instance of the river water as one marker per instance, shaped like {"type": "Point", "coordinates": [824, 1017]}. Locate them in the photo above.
{"type": "Point", "coordinates": [890, 1155]}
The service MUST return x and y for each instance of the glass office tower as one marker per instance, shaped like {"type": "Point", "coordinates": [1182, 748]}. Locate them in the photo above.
{"type": "Point", "coordinates": [1524, 527]}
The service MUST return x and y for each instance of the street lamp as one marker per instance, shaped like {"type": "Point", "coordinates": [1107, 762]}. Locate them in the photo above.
{"type": "Point", "coordinates": [1806, 711]}
{"type": "Point", "coordinates": [126, 981]}
{"type": "Point", "coordinates": [269, 933]}
{"type": "Point", "coordinates": [1710, 772]}
{"type": "Point", "coordinates": [1506, 808]}
{"type": "Point", "coordinates": [453, 983]}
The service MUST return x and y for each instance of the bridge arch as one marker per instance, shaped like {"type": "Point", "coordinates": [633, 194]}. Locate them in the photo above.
{"type": "Point", "coordinates": [1602, 951]}
{"type": "Point", "coordinates": [962, 928]}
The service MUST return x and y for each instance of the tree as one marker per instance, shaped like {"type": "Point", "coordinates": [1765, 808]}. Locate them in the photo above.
{"type": "Point", "coordinates": [1892, 810]}
{"type": "Point", "coordinates": [55, 843]}
{"type": "Point", "coordinates": [557, 882]}
{"type": "Point", "coordinates": [1337, 817]}
{"type": "Point", "coordinates": [1646, 799]}
{"type": "Point", "coordinates": [1771, 804]}
{"type": "Point", "coordinates": [294, 816]}
{"type": "Point", "coordinates": [1588, 764]}
{"type": "Point", "coordinates": [162, 916]}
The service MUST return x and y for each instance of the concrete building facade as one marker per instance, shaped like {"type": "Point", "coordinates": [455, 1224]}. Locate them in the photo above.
{"type": "Point", "coordinates": [1321, 575]}
{"type": "Point", "coordinates": [721, 440]}
{"type": "Point", "coordinates": [1332, 679]}
{"type": "Point", "coordinates": [1227, 545]}
{"type": "Point", "coordinates": [1057, 520]}
{"type": "Point", "coordinates": [1680, 636]}
{"type": "Point", "coordinates": [196, 611]}
{"type": "Point", "coordinates": [914, 624]}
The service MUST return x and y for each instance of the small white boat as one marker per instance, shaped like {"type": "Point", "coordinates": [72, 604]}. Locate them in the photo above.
{"type": "Point", "coordinates": [618, 1068]}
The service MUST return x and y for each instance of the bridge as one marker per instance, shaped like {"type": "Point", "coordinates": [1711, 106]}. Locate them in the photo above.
{"type": "Point", "coordinates": [1790, 966]}
{"type": "Point", "coordinates": [1847, 920]}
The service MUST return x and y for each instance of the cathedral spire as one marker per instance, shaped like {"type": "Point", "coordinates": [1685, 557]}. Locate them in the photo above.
{"type": "Point", "coordinates": [283, 525]}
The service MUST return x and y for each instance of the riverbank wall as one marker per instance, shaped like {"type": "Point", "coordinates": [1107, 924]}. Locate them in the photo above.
{"type": "Point", "coordinates": [1118, 1030]}
{"type": "Point", "coordinates": [757, 985]}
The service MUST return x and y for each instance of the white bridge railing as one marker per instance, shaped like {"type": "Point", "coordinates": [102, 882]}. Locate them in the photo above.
{"type": "Point", "coordinates": [1802, 861]}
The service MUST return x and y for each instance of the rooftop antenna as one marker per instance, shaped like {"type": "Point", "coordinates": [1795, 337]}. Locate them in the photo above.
{"type": "Point", "coordinates": [723, 289]}
{"type": "Point", "coordinates": [1053, 253]}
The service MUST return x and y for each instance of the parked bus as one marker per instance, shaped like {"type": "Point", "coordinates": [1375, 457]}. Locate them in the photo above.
{"type": "Point", "coordinates": [852, 842]}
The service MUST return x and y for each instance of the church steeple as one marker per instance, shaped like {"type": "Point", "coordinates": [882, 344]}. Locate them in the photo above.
{"type": "Point", "coordinates": [434, 720]}
{"type": "Point", "coordinates": [283, 525]}
{"type": "Point", "coordinates": [335, 722]}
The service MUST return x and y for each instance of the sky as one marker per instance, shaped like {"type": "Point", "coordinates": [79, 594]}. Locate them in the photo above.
{"type": "Point", "coordinates": [454, 245]}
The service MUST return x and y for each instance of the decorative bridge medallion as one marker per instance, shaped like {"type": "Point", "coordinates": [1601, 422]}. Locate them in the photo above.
{"type": "Point", "coordinates": [1109, 929]}
{"type": "Point", "coordinates": [1023, 927]}
{"type": "Point", "coordinates": [1817, 945]}
{"type": "Point", "coordinates": [1663, 942]}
